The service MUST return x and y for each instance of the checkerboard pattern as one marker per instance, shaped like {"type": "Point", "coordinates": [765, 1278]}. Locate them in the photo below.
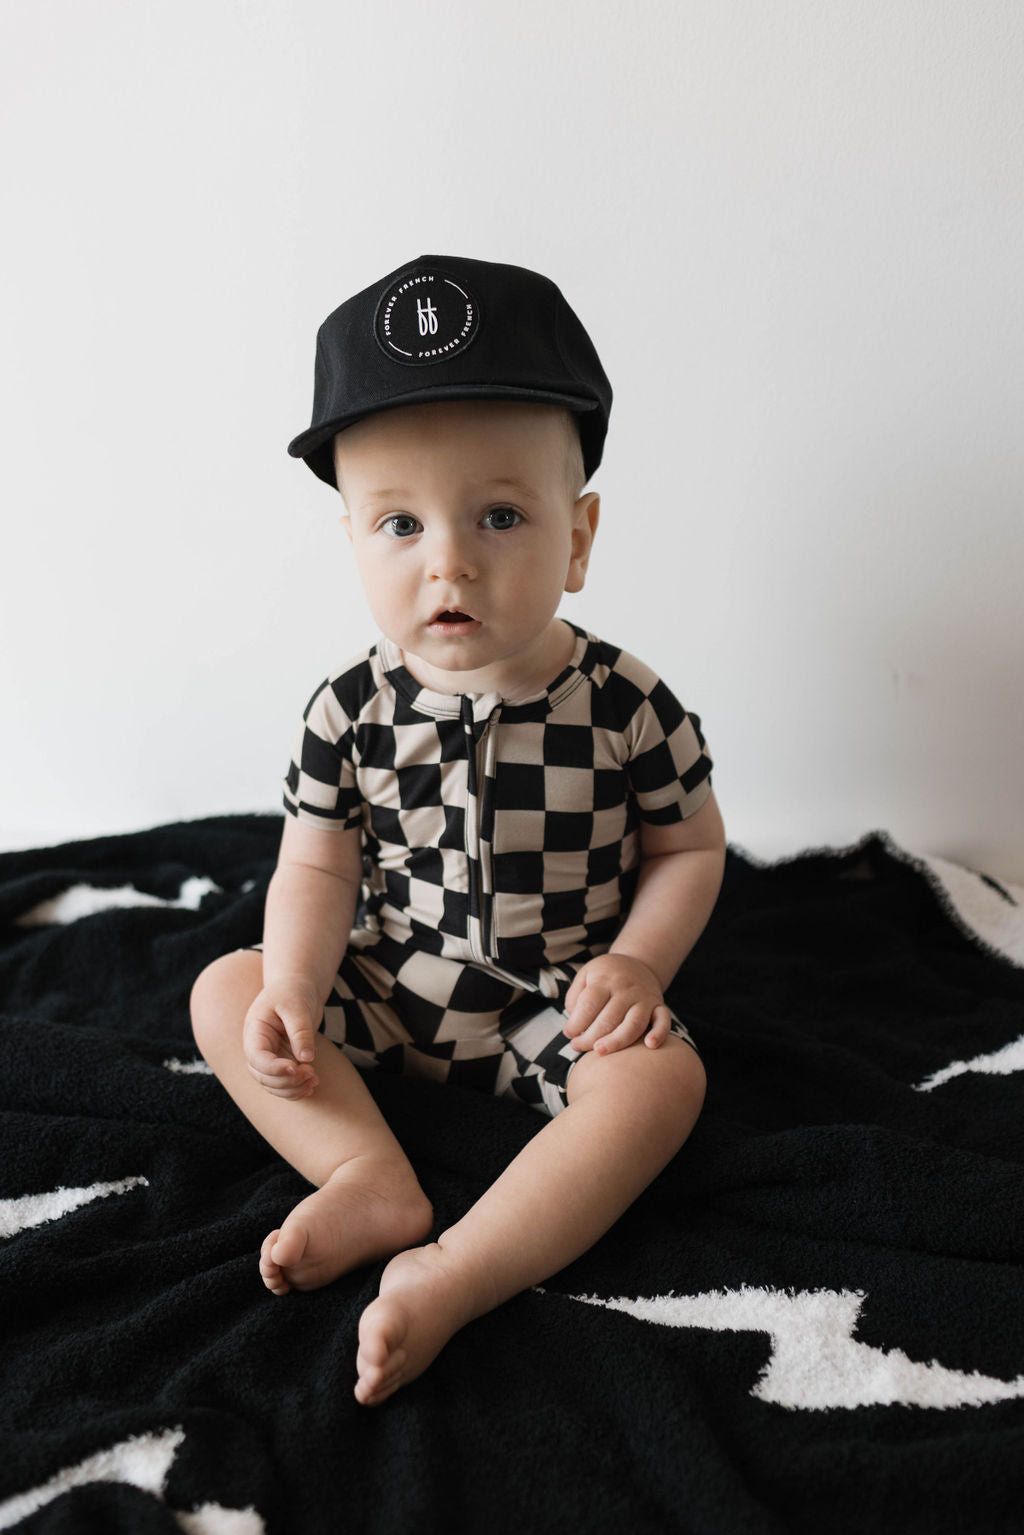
{"type": "Point", "coordinates": [504, 837]}
{"type": "Point", "coordinates": [399, 1009]}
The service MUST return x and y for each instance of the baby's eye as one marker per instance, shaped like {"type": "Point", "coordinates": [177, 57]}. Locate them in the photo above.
{"type": "Point", "coordinates": [501, 518]}
{"type": "Point", "coordinates": [401, 525]}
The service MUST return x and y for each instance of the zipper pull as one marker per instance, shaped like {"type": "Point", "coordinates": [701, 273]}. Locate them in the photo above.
{"type": "Point", "coordinates": [468, 731]}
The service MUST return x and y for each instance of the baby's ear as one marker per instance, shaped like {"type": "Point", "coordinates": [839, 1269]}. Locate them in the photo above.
{"type": "Point", "coordinates": [585, 517]}
{"type": "Point", "coordinates": [346, 522]}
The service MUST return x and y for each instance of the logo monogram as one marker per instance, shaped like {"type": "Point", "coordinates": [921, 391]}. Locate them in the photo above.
{"type": "Point", "coordinates": [426, 316]}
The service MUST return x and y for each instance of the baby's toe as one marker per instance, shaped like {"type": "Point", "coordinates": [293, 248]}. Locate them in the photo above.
{"type": "Point", "coordinates": [381, 1358]}
{"type": "Point", "coordinates": [288, 1246]}
{"type": "Point", "coordinates": [382, 1332]}
{"type": "Point", "coordinates": [271, 1272]}
{"type": "Point", "coordinates": [376, 1382]}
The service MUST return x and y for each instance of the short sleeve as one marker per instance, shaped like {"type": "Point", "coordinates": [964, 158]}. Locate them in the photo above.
{"type": "Point", "coordinates": [320, 786]}
{"type": "Point", "coordinates": [669, 765]}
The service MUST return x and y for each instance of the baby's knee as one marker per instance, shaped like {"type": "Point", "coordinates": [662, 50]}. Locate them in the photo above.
{"type": "Point", "coordinates": [683, 1070]}
{"type": "Point", "coordinates": [696, 1078]}
{"type": "Point", "coordinates": [665, 1079]}
{"type": "Point", "coordinates": [222, 993]}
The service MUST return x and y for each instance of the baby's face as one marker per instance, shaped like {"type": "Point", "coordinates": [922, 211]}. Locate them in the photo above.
{"type": "Point", "coordinates": [466, 533]}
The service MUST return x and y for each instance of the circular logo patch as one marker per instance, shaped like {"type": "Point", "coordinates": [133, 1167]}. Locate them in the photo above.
{"type": "Point", "coordinates": [426, 316]}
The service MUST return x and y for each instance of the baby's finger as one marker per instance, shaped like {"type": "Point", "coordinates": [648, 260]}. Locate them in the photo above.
{"type": "Point", "coordinates": [261, 1036]}
{"type": "Point", "coordinates": [575, 991]}
{"type": "Point", "coordinates": [627, 1033]}
{"type": "Point", "coordinates": [265, 1061]}
{"type": "Point", "coordinates": [661, 1024]}
{"type": "Point", "coordinates": [269, 1066]}
{"type": "Point", "coordinates": [300, 1033]}
{"type": "Point", "coordinates": [289, 1089]}
{"type": "Point", "coordinates": [290, 1083]}
{"type": "Point", "coordinates": [607, 1020]}
{"type": "Point", "coordinates": [587, 1010]}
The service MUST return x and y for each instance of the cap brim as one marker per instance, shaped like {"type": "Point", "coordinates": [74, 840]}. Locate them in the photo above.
{"type": "Point", "coordinates": [308, 441]}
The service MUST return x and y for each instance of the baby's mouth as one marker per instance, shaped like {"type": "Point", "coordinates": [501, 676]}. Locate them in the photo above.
{"type": "Point", "coordinates": [454, 620]}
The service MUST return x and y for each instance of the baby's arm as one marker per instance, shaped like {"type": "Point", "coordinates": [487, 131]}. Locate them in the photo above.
{"type": "Point", "coordinates": [619, 996]}
{"type": "Point", "coordinates": [311, 904]}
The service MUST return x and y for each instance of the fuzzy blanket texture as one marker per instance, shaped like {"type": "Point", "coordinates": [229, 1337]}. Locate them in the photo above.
{"type": "Point", "coordinates": [812, 1321]}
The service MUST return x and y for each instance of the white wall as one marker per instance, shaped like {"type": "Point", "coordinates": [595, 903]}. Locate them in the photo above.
{"type": "Point", "coordinates": [794, 231]}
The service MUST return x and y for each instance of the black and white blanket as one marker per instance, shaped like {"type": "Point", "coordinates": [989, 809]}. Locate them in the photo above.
{"type": "Point", "coordinates": [812, 1321]}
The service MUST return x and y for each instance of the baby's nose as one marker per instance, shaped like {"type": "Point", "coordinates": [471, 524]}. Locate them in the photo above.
{"type": "Point", "coordinates": [449, 558]}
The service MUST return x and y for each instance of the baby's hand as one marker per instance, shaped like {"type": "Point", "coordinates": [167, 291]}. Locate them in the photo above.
{"type": "Point", "coordinates": [277, 1037]}
{"type": "Point", "coordinates": [614, 1001]}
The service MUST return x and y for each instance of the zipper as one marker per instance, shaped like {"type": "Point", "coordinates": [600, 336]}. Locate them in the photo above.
{"type": "Point", "coordinates": [488, 748]}
{"type": "Point", "coordinates": [479, 756]}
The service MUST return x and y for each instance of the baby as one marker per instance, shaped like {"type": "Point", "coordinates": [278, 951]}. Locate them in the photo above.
{"type": "Point", "coordinates": [501, 840]}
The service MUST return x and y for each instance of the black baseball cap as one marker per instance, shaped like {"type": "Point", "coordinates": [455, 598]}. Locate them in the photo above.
{"type": "Point", "coordinates": [449, 328]}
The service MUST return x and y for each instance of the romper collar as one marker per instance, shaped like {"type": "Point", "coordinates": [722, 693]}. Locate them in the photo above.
{"type": "Point", "coordinates": [450, 705]}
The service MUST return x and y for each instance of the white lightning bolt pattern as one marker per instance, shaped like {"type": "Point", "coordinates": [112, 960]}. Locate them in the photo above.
{"type": "Point", "coordinates": [998, 1062]}
{"type": "Point", "coordinates": [36, 1209]}
{"type": "Point", "coordinates": [86, 900]}
{"type": "Point", "coordinates": [143, 1461]}
{"type": "Point", "coordinates": [189, 1068]}
{"type": "Point", "coordinates": [212, 1519]}
{"type": "Point", "coordinates": [991, 909]}
{"type": "Point", "coordinates": [816, 1363]}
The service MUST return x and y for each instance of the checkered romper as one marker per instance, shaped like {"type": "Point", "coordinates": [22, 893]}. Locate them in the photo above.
{"type": "Point", "coordinates": [501, 850]}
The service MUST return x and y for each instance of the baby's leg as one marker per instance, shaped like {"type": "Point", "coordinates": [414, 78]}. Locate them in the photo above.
{"type": "Point", "coordinates": [368, 1203]}
{"type": "Point", "coordinates": [628, 1114]}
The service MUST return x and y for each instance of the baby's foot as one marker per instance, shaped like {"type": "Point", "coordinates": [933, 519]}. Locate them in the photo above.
{"type": "Point", "coordinates": [365, 1210]}
{"type": "Point", "coordinates": [421, 1304]}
